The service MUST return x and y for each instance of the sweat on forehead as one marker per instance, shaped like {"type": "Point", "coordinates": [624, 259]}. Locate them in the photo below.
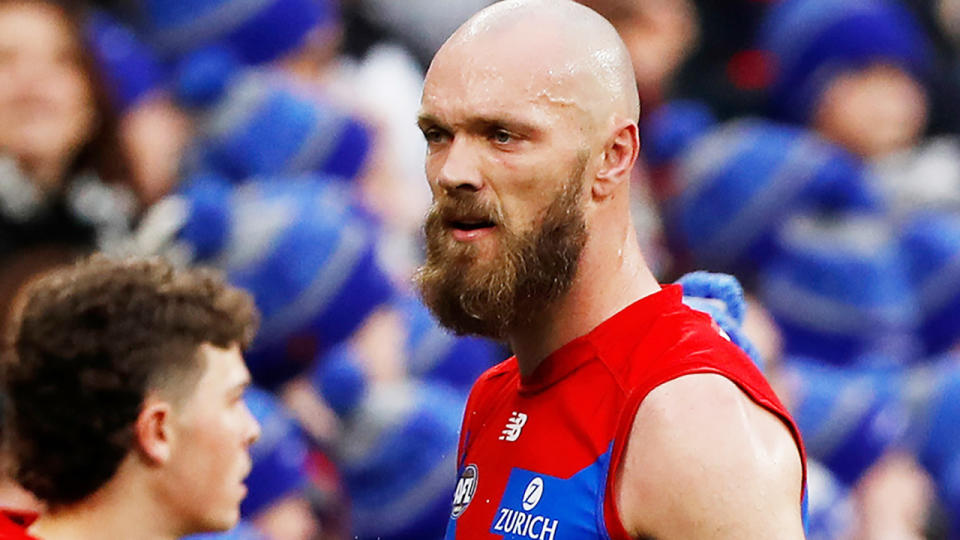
{"type": "Point", "coordinates": [570, 50]}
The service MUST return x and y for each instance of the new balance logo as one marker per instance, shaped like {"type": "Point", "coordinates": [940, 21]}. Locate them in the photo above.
{"type": "Point", "coordinates": [512, 432]}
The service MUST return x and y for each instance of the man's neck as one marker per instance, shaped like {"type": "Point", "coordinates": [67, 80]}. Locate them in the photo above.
{"type": "Point", "coordinates": [610, 277]}
{"type": "Point", "coordinates": [114, 511]}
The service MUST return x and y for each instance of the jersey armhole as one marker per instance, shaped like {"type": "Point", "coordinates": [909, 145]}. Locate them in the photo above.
{"type": "Point", "coordinates": [613, 523]}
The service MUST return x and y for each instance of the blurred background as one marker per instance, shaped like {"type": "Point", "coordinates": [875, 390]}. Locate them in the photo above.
{"type": "Point", "coordinates": [811, 148]}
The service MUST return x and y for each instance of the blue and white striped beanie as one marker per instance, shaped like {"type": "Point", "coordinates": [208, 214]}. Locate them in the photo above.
{"type": "Point", "coordinates": [849, 417]}
{"type": "Point", "coordinates": [950, 494]}
{"type": "Point", "coordinates": [397, 450]}
{"type": "Point", "coordinates": [831, 513]}
{"type": "Point", "coordinates": [131, 69]}
{"type": "Point", "coordinates": [738, 184]}
{"type": "Point", "coordinates": [721, 297]}
{"type": "Point", "coordinates": [812, 41]}
{"type": "Point", "coordinates": [279, 455]}
{"type": "Point", "coordinates": [299, 245]}
{"type": "Point", "coordinates": [257, 122]}
{"type": "Point", "coordinates": [672, 127]}
{"type": "Point", "coordinates": [338, 378]}
{"type": "Point", "coordinates": [255, 30]}
{"type": "Point", "coordinates": [839, 290]}
{"type": "Point", "coordinates": [435, 354]}
{"type": "Point", "coordinates": [932, 391]}
{"type": "Point", "coordinates": [309, 258]}
{"type": "Point", "coordinates": [931, 241]}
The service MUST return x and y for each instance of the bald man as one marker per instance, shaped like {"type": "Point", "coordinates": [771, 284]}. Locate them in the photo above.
{"type": "Point", "coordinates": [623, 414]}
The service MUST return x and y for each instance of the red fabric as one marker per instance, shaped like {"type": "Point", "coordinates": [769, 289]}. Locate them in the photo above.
{"type": "Point", "coordinates": [579, 407]}
{"type": "Point", "coordinates": [746, 376]}
{"type": "Point", "coordinates": [14, 524]}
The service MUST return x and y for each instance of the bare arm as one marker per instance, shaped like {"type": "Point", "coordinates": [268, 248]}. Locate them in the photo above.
{"type": "Point", "coordinates": [705, 462]}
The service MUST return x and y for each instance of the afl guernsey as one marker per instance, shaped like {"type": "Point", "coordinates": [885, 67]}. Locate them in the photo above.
{"type": "Point", "coordinates": [535, 453]}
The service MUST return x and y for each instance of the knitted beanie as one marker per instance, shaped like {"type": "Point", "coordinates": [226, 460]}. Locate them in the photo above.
{"type": "Point", "coordinates": [831, 513]}
{"type": "Point", "coordinates": [433, 353]}
{"type": "Point", "coordinates": [257, 122]}
{"type": "Point", "coordinates": [672, 127]}
{"type": "Point", "coordinates": [839, 290]}
{"type": "Point", "coordinates": [950, 494]}
{"type": "Point", "coordinates": [298, 244]}
{"type": "Point", "coordinates": [131, 69]}
{"type": "Point", "coordinates": [279, 455]}
{"type": "Point", "coordinates": [397, 451]}
{"type": "Point", "coordinates": [932, 391]}
{"type": "Point", "coordinates": [721, 297]}
{"type": "Point", "coordinates": [256, 30]}
{"type": "Point", "coordinates": [848, 417]}
{"type": "Point", "coordinates": [812, 41]}
{"type": "Point", "coordinates": [931, 242]}
{"type": "Point", "coordinates": [738, 184]}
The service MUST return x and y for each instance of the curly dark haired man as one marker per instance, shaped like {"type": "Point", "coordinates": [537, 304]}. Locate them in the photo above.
{"type": "Point", "coordinates": [126, 380]}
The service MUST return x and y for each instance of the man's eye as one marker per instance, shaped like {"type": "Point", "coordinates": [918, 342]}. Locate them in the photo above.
{"type": "Point", "coordinates": [434, 136]}
{"type": "Point", "coordinates": [502, 136]}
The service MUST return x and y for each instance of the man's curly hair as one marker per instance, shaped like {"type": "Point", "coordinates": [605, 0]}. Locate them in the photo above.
{"type": "Point", "coordinates": [89, 342]}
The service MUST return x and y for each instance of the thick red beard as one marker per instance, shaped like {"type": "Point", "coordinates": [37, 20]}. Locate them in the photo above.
{"type": "Point", "coordinates": [526, 273]}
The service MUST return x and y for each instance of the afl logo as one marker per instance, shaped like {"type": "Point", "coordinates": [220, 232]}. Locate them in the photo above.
{"type": "Point", "coordinates": [466, 487]}
{"type": "Point", "coordinates": [531, 495]}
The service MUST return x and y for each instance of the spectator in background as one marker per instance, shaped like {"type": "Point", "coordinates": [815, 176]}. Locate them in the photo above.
{"type": "Point", "coordinates": [853, 71]}
{"type": "Point", "coordinates": [659, 34]}
{"type": "Point", "coordinates": [728, 188]}
{"type": "Point", "coordinates": [61, 167]}
{"type": "Point", "coordinates": [862, 74]}
{"type": "Point", "coordinates": [126, 385]}
{"type": "Point", "coordinates": [154, 132]}
{"type": "Point", "coordinates": [277, 503]}
{"type": "Point", "coordinates": [418, 23]}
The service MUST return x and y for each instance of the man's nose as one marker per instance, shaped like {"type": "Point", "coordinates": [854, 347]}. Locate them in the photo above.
{"type": "Point", "coordinates": [253, 428]}
{"type": "Point", "coordinates": [461, 167]}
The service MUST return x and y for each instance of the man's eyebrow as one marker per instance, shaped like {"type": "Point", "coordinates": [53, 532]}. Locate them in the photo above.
{"type": "Point", "coordinates": [482, 123]}
{"type": "Point", "coordinates": [511, 123]}
{"type": "Point", "coordinates": [427, 120]}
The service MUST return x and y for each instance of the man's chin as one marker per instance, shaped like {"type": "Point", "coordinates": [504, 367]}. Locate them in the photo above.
{"type": "Point", "coordinates": [484, 247]}
{"type": "Point", "coordinates": [225, 520]}
{"type": "Point", "coordinates": [462, 324]}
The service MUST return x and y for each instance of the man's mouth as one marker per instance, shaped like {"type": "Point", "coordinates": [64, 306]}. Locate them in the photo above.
{"type": "Point", "coordinates": [470, 229]}
{"type": "Point", "coordinates": [470, 224]}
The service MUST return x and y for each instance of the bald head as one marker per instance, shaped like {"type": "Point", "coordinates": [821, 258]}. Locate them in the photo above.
{"type": "Point", "coordinates": [574, 53]}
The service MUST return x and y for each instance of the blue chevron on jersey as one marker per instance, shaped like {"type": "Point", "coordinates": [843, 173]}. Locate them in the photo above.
{"type": "Point", "coordinates": [543, 507]}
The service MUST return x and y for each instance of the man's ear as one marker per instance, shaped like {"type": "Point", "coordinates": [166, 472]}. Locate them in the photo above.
{"type": "Point", "coordinates": [154, 431]}
{"type": "Point", "coordinates": [618, 158]}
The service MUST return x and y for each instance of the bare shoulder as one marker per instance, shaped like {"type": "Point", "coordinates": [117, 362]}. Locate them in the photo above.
{"type": "Point", "coordinates": [704, 461]}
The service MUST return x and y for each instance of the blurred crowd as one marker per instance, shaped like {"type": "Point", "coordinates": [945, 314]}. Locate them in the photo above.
{"type": "Point", "coordinates": [811, 148]}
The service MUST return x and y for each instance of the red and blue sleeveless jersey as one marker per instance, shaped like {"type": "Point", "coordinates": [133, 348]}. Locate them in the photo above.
{"type": "Point", "coordinates": [537, 454]}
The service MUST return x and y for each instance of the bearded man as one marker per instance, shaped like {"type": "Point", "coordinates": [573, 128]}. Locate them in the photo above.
{"type": "Point", "coordinates": [623, 414]}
